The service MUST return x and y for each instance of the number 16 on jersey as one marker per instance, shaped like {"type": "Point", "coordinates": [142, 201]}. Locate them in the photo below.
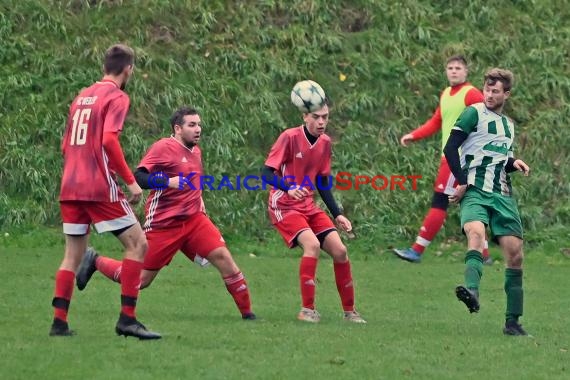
{"type": "Point", "coordinates": [79, 128]}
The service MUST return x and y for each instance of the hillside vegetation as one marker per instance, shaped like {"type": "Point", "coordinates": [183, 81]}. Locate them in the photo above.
{"type": "Point", "coordinates": [236, 61]}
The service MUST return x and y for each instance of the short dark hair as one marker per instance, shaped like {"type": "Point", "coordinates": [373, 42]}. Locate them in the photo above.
{"type": "Point", "coordinates": [117, 58]}
{"type": "Point", "coordinates": [457, 58]}
{"type": "Point", "coordinates": [177, 117]}
{"type": "Point", "coordinates": [495, 75]}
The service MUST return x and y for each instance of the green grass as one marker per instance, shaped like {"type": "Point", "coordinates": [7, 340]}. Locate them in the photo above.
{"type": "Point", "coordinates": [416, 328]}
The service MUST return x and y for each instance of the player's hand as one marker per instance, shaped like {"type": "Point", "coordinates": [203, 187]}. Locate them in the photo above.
{"type": "Point", "coordinates": [297, 192]}
{"type": "Point", "coordinates": [406, 139]}
{"type": "Point", "coordinates": [521, 167]}
{"type": "Point", "coordinates": [344, 223]}
{"type": "Point", "coordinates": [459, 193]}
{"type": "Point", "coordinates": [174, 182]}
{"type": "Point", "coordinates": [135, 193]}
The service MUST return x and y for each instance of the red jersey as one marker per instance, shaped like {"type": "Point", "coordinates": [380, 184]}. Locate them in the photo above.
{"type": "Point", "coordinates": [87, 176]}
{"type": "Point", "coordinates": [297, 161]}
{"type": "Point", "coordinates": [166, 207]}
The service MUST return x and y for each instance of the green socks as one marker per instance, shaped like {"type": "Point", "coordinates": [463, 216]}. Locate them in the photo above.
{"type": "Point", "coordinates": [514, 291]}
{"type": "Point", "coordinates": [473, 269]}
{"type": "Point", "coordinates": [513, 283]}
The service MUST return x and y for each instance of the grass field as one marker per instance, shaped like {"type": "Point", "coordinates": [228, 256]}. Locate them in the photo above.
{"type": "Point", "coordinates": [416, 328]}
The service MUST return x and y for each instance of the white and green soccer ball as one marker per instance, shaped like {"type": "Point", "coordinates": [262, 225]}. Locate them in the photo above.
{"type": "Point", "coordinates": [308, 96]}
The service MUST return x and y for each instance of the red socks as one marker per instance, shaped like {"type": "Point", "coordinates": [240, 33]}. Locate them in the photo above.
{"type": "Point", "coordinates": [343, 278]}
{"type": "Point", "coordinates": [110, 268]}
{"type": "Point", "coordinates": [128, 274]}
{"type": "Point", "coordinates": [307, 271]}
{"type": "Point", "coordinates": [64, 282]}
{"type": "Point", "coordinates": [430, 227]}
{"type": "Point", "coordinates": [237, 287]}
{"type": "Point", "coordinates": [130, 286]}
{"type": "Point", "coordinates": [129, 271]}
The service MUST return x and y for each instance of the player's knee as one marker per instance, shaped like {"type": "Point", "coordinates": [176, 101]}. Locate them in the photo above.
{"type": "Point", "coordinates": [475, 236]}
{"type": "Point", "coordinates": [440, 201]}
{"type": "Point", "coordinates": [514, 254]}
{"type": "Point", "coordinates": [135, 244]}
{"type": "Point", "coordinates": [312, 248]}
{"type": "Point", "coordinates": [141, 245]}
{"type": "Point", "coordinates": [475, 232]}
{"type": "Point", "coordinates": [515, 260]}
{"type": "Point", "coordinates": [222, 259]}
{"type": "Point", "coordinates": [219, 255]}
{"type": "Point", "coordinates": [340, 254]}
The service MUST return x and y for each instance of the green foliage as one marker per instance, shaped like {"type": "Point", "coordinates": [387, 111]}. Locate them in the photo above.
{"type": "Point", "coordinates": [237, 61]}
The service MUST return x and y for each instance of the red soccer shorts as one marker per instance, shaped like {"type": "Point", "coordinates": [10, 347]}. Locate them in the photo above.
{"type": "Point", "coordinates": [197, 235]}
{"type": "Point", "coordinates": [445, 181]}
{"type": "Point", "coordinates": [294, 223]}
{"type": "Point", "coordinates": [105, 216]}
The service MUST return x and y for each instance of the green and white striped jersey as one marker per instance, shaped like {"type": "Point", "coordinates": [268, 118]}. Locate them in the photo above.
{"type": "Point", "coordinates": [488, 146]}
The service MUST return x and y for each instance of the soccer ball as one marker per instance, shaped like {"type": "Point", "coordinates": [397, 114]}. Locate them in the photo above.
{"type": "Point", "coordinates": [308, 96]}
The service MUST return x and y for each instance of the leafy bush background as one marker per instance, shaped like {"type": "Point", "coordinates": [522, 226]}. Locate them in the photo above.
{"type": "Point", "coordinates": [237, 61]}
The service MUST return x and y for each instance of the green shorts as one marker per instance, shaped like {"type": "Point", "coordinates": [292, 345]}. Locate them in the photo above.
{"type": "Point", "coordinates": [497, 211]}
